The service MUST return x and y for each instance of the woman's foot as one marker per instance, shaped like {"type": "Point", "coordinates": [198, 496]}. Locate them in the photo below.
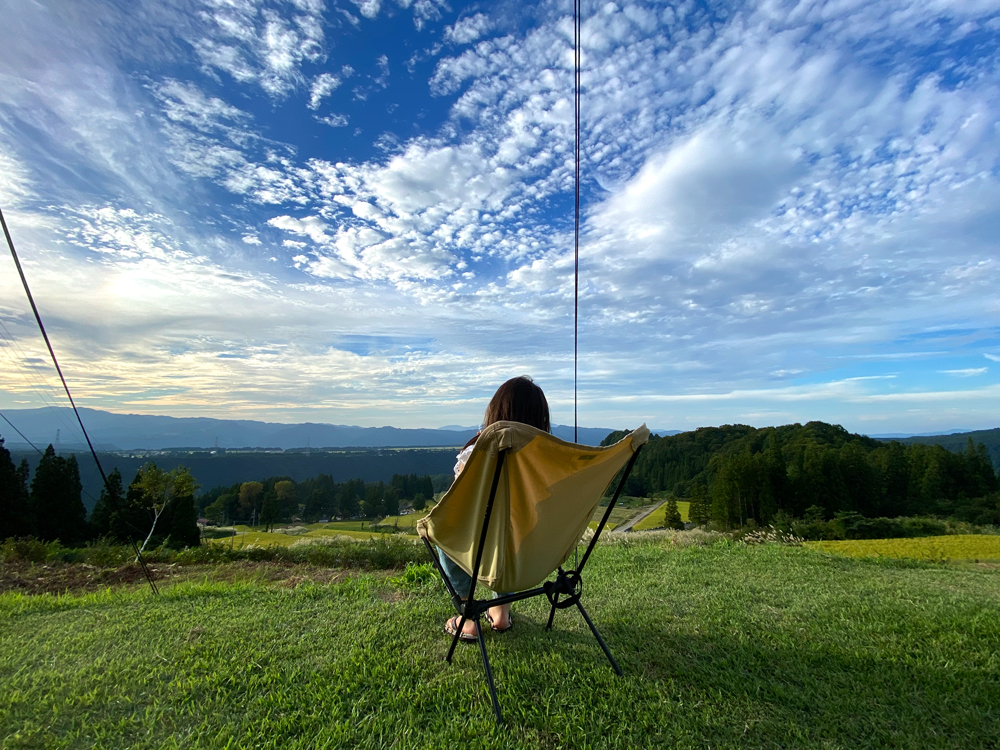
{"type": "Point", "coordinates": [499, 618]}
{"type": "Point", "coordinates": [468, 629]}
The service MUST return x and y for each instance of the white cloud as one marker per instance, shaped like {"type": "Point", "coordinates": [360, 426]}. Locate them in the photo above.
{"type": "Point", "coordinates": [15, 181]}
{"type": "Point", "coordinates": [322, 86]}
{"type": "Point", "coordinates": [186, 104]}
{"type": "Point", "coordinates": [368, 8]}
{"type": "Point", "coordinates": [468, 29]}
{"type": "Point", "coordinates": [334, 121]}
{"type": "Point", "coordinates": [992, 357]}
{"type": "Point", "coordinates": [254, 44]}
{"type": "Point", "coordinates": [967, 372]}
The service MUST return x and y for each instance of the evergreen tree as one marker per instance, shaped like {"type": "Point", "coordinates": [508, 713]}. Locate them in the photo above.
{"type": "Point", "coordinates": [288, 504]}
{"type": "Point", "coordinates": [391, 502]}
{"type": "Point", "coordinates": [700, 509]}
{"type": "Point", "coordinates": [15, 504]}
{"type": "Point", "coordinates": [419, 502]}
{"type": "Point", "coordinates": [107, 518]}
{"type": "Point", "coordinates": [270, 510]}
{"type": "Point", "coordinates": [672, 516]}
{"type": "Point", "coordinates": [55, 497]}
{"type": "Point", "coordinates": [178, 524]}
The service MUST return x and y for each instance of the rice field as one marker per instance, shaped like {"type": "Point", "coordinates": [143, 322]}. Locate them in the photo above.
{"type": "Point", "coordinates": [975, 547]}
{"type": "Point", "coordinates": [655, 519]}
{"type": "Point", "coordinates": [286, 536]}
{"type": "Point", "coordinates": [268, 539]}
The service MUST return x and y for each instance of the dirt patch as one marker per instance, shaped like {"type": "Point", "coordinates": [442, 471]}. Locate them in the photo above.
{"type": "Point", "coordinates": [60, 578]}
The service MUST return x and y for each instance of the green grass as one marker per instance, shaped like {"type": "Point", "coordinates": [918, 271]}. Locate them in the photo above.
{"type": "Point", "coordinates": [951, 547]}
{"type": "Point", "coordinates": [722, 646]}
{"type": "Point", "coordinates": [655, 519]}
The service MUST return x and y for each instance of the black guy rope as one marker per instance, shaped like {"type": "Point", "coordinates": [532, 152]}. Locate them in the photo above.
{"type": "Point", "coordinates": [577, 19]}
{"type": "Point", "coordinates": [21, 434]}
{"type": "Point", "coordinates": [41, 327]}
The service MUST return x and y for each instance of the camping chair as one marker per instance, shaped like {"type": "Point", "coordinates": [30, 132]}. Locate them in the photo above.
{"type": "Point", "coordinates": [539, 492]}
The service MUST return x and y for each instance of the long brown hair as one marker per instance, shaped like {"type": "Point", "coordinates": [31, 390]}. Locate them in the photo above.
{"type": "Point", "coordinates": [517, 400]}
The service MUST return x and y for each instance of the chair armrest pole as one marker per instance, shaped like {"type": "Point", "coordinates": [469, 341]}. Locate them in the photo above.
{"type": "Point", "coordinates": [486, 522]}
{"type": "Point", "coordinates": [437, 564]}
{"type": "Point", "coordinates": [607, 513]}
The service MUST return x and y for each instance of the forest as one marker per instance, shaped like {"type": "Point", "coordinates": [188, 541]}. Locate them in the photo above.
{"type": "Point", "coordinates": [280, 499]}
{"type": "Point", "coordinates": [160, 506]}
{"type": "Point", "coordinates": [736, 474]}
{"type": "Point", "coordinates": [733, 476]}
{"type": "Point", "coordinates": [157, 508]}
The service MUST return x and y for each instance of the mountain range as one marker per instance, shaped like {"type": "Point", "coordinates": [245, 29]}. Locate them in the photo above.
{"type": "Point", "coordinates": [109, 431]}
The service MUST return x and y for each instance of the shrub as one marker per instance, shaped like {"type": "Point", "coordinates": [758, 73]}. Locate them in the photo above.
{"type": "Point", "coordinates": [26, 549]}
{"type": "Point", "coordinates": [106, 554]}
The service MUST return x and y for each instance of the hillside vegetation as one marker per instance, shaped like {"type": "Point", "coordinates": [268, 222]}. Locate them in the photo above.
{"type": "Point", "coordinates": [735, 474]}
{"type": "Point", "coordinates": [990, 439]}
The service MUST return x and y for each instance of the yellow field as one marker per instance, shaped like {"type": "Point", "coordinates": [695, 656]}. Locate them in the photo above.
{"type": "Point", "coordinates": [655, 519]}
{"type": "Point", "coordinates": [952, 547]}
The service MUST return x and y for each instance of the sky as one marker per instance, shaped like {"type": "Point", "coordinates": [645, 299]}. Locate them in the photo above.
{"type": "Point", "coordinates": [361, 211]}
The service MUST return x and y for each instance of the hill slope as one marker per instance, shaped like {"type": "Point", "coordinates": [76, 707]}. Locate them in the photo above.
{"type": "Point", "coordinates": [726, 646]}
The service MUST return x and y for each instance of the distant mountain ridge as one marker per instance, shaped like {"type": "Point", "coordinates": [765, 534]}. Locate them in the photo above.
{"type": "Point", "coordinates": [110, 431]}
{"type": "Point", "coordinates": [957, 441]}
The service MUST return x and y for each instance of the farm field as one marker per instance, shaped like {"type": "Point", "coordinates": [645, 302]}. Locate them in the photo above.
{"type": "Point", "coordinates": [722, 646]}
{"type": "Point", "coordinates": [655, 519]}
{"type": "Point", "coordinates": [979, 547]}
{"type": "Point", "coordinates": [247, 536]}
{"type": "Point", "coordinates": [267, 539]}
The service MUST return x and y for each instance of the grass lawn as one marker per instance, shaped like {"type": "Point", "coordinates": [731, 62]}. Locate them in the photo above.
{"type": "Point", "coordinates": [978, 547]}
{"type": "Point", "coordinates": [722, 646]}
{"type": "Point", "coordinates": [655, 519]}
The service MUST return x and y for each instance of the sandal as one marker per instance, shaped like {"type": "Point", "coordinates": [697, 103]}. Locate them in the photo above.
{"type": "Point", "coordinates": [451, 627]}
{"type": "Point", "coordinates": [495, 629]}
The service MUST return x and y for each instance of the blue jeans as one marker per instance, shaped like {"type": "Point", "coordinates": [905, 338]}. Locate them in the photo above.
{"type": "Point", "coordinates": [460, 580]}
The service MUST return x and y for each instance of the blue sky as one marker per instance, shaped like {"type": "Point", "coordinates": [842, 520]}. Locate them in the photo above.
{"type": "Point", "coordinates": [361, 212]}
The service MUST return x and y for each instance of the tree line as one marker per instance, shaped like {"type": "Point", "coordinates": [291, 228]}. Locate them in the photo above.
{"type": "Point", "coordinates": [736, 474]}
{"type": "Point", "coordinates": [157, 508]}
{"type": "Point", "coordinates": [281, 499]}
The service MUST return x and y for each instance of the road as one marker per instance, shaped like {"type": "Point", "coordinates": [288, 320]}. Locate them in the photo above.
{"type": "Point", "coordinates": [627, 526]}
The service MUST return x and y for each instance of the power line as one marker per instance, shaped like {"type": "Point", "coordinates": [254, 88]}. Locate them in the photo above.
{"type": "Point", "coordinates": [21, 434]}
{"type": "Point", "coordinates": [41, 327]}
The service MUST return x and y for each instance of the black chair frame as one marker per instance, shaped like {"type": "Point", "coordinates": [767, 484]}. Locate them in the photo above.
{"type": "Point", "coordinates": [563, 592]}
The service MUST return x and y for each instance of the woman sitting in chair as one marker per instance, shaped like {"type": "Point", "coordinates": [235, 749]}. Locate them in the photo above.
{"type": "Point", "coordinates": [517, 400]}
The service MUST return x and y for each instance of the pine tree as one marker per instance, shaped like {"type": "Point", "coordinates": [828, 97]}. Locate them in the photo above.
{"type": "Point", "coordinates": [55, 496]}
{"type": "Point", "coordinates": [15, 505]}
{"type": "Point", "coordinates": [106, 519]}
{"type": "Point", "coordinates": [700, 509]}
{"type": "Point", "coordinates": [180, 520]}
{"type": "Point", "coordinates": [672, 516]}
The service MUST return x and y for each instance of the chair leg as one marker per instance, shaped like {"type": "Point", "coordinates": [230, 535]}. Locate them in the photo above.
{"type": "Point", "coordinates": [552, 613]}
{"type": "Point", "coordinates": [454, 639]}
{"type": "Point", "coordinates": [489, 674]}
{"type": "Point", "coordinates": [597, 635]}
